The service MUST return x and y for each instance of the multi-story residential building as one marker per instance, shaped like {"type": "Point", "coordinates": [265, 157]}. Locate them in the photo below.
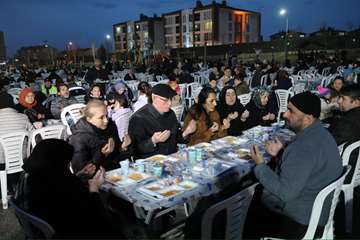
{"type": "Point", "coordinates": [144, 35]}
{"type": "Point", "coordinates": [172, 29]}
{"type": "Point", "coordinates": [41, 55]}
{"type": "Point", "coordinates": [217, 24]}
{"type": "Point", "coordinates": [2, 47]}
{"type": "Point", "coordinates": [212, 24]}
{"type": "Point", "coordinates": [187, 28]}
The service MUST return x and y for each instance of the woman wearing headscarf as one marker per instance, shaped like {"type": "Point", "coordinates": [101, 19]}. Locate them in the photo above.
{"type": "Point", "coordinates": [208, 123]}
{"type": "Point", "coordinates": [48, 190]}
{"type": "Point", "coordinates": [230, 108]}
{"type": "Point", "coordinates": [120, 88]}
{"type": "Point", "coordinates": [258, 107]}
{"type": "Point", "coordinates": [31, 107]}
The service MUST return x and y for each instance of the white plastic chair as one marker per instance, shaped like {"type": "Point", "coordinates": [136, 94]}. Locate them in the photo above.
{"type": "Point", "coordinates": [282, 97]}
{"type": "Point", "coordinates": [74, 112]}
{"type": "Point", "coordinates": [334, 187]}
{"type": "Point", "coordinates": [348, 188]}
{"type": "Point", "coordinates": [244, 98]}
{"type": "Point", "coordinates": [178, 110]}
{"type": "Point", "coordinates": [14, 148]}
{"type": "Point", "coordinates": [54, 131]}
{"type": "Point", "coordinates": [78, 93]}
{"type": "Point", "coordinates": [236, 210]}
{"type": "Point", "coordinates": [15, 92]}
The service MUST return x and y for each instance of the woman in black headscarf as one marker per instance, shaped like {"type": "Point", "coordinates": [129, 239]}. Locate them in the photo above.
{"type": "Point", "coordinates": [230, 108]}
{"type": "Point", "coordinates": [47, 189]}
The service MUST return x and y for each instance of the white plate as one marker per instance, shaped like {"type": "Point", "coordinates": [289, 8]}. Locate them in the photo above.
{"type": "Point", "coordinates": [171, 191]}
{"type": "Point", "coordinates": [188, 185]}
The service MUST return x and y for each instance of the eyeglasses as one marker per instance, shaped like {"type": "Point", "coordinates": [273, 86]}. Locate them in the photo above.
{"type": "Point", "coordinates": [166, 100]}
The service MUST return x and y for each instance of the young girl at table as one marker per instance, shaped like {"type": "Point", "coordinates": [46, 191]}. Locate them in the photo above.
{"type": "Point", "coordinates": [120, 113]}
{"type": "Point", "coordinates": [208, 123]}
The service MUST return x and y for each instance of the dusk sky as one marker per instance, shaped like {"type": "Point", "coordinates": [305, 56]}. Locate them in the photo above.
{"type": "Point", "coordinates": [31, 22]}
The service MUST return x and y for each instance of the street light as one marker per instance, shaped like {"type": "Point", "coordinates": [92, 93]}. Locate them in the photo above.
{"type": "Point", "coordinates": [108, 37]}
{"type": "Point", "coordinates": [283, 12]}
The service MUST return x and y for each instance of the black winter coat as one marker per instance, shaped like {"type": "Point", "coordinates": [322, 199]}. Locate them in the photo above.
{"type": "Point", "coordinates": [88, 141]}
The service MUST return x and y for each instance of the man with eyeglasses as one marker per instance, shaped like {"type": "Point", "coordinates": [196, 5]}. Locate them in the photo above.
{"type": "Point", "coordinates": [154, 128]}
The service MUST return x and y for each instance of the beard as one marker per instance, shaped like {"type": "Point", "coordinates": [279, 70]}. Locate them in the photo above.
{"type": "Point", "coordinates": [294, 127]}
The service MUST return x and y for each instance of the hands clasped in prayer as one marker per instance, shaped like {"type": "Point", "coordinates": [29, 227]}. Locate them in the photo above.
{"type": "Point", "coordinates": [272, 147]}
{"type": "Point", "coordinates": [109, 147]}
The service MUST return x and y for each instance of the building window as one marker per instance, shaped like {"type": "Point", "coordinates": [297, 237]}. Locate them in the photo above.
{"type": "Point", "coordinates": [207, 36]}
{"type": "Point", "coordinates": [197, 17]}
{"type": "Point", "coordinates": [129, 29]}
{"type": "Point", "coordinates": [177, 19]}
{"type": "Point", "coordinates": [197, 37]}
{"type": "Point", "coordinates": [177, 29]}
{"type": "Point", "coordinates": [197, 27]}
{"type": "Point", "coordinates": [208, 26]}
{"type": "Point", "coordinates": [207, 15]}
{"type": "Point", "coordinates": [230, 37]}
{"type": "Point", "coordinates": [190, 17]}
{"type": "Point", "coordinates": [137, 27]}
{"type": "Point", "coordinates": [177, 39]}
{"type": "Point", "coordinates": [247, 19]}
{"type": "Point", "coordinates": [168, 30]}
{"type": "Point", "coordinates": [184, 28]}
{"type": "Point", "coordinates": [118, 29]}
{"type": "Point", "coordinates": [184, 18]}
{"type": "Point", "coordinates": [124, 29]}
{"type": "Point", "coordinates": [230, 27]}
{"type": "Point", "coordinates": [190, 28]}
{"type": "Point", "coordinates": [230, 16]}
{"type": "Point", "coordinates": [144, 27]}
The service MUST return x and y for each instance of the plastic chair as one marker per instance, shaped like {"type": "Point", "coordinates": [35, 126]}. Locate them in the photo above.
{"type": "Point", "coordinates": [282, 97]}
{"type": "Point", "coordinates": [54, 131]}
{"type": "Point", "coordinates": [34, 227]}
{"type": "Point", "coordinates": [78, 93]}
{"type": "Point", "coordinates": [348, 188]}
{"type": "Point", "coordinates": [236, 208]}
{"type": "Point", "coordinates": [178, 110]}
{"type": "Point", "coordinates": [244, 98]}
{"type": "Point", "coordinates": [334, 187]}
{"type": "Point", "coordinates": [73, 112]}
{"type": "Point", "coordinates": [13, 145]}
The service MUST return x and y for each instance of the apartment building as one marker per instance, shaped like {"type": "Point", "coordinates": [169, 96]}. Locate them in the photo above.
{"type": "Point", "coordinates": [212, 24]}
{"type": "Point", "coordinates": [145, 34]}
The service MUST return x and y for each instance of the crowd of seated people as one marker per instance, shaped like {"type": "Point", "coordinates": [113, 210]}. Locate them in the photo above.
{"type": "Point", "coordinates": [115, 126]}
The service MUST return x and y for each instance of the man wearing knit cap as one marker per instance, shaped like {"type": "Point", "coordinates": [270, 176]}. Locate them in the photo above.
{"type": "Point", "coordinates": [154, 128]}
{"type": "Point", "coordinates": [308, 164]}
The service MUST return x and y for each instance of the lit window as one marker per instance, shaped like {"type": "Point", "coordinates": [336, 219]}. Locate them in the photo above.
{"type": "Point", "coordinates": [118, 29]}
{"type": "Point", "coordinates": [208, 26]}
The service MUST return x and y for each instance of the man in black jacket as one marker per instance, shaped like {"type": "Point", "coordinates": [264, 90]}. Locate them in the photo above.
{"type": "Point", "coordinates": [154, 128]}
{"type": "Point", "coordinates": [97, 72]}
{"type": "Point", "coordinates": [347, 128]}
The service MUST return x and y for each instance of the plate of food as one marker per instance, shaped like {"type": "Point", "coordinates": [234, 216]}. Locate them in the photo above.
{"type": "Point", "coordinates": [114, 177]}
{"type": "Point", "coordinates": [188, 184]}
{"type": "Point", "coordinates": [137, 176]}
{"type": "Point", "coordinates": [158, 158]}
{"type": "Point", "coordinates": [171, 191]}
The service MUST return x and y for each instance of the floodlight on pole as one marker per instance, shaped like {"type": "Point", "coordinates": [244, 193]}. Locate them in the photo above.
{"type": "Point", "coordinates": [108, 36]}
{"type": "Point", "coordinates": [283, 12]}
